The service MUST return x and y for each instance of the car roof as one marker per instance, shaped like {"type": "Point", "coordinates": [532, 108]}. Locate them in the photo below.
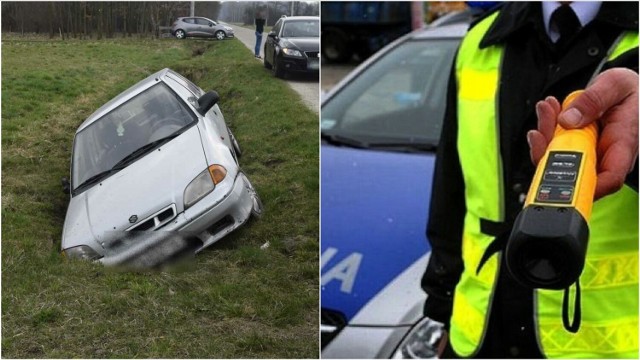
{"type": "Point", "coordinates": [453, 31]}
{"type": "Point", "coordinates": [300, 18]}
{"type": "Point", "coordinates": [126, 96]}
{"type": "Point", "coordinates": [194, 17]}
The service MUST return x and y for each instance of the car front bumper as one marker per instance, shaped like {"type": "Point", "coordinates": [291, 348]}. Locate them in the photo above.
{"type": "Point", "coordinates": [219, 216]}
{"type": "Point", "coordinates": [297, 64]}
{"type": "Point", "coordinates": [365, 342]}
{"type": "Point", "coordinates": [209, 220]}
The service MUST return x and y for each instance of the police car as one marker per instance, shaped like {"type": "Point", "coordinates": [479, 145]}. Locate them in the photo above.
{"type": "Point", "coordinates": [380, 127]}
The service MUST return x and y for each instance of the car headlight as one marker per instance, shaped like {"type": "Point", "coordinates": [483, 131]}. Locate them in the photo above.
{"type": "Point", "coordinates": [203, 184]}
{"type": "Point", "coordinates": [228, 28]}
{"type": "Point", "coordinates": [422, 341]}
{"type": "Point", "coordinates": [291, 52]}
{"type": "Point", "coordinates": [82, 252]}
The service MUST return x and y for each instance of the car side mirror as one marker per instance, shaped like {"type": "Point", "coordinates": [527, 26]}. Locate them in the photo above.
{"type": "Point", "coordinates": [210, 24]}
{"type": "Point", "coordinates": [207, 101]}
{"type": "Point", "coordinates": [66, 186]}
{"type": "Point", "coordinates": [272, 35]}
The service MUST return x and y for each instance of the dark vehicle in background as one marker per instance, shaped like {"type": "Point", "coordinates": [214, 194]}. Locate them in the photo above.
{"type": "Point", "coordinates": [293, 46]}
{"type": "Point", "coordinates": [365, 27]}
{"type": "Point", "coordinates": [185, 27]}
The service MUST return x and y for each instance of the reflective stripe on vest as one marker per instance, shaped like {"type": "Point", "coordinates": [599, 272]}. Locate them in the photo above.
{"type": "Point", "coordinates": [609, 282]}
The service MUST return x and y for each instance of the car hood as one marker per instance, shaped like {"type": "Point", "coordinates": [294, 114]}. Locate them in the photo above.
{"type": "Point", "coordinates": [148, 185]}
{"type": "Point", "coordinates": [304, 44]}
{"type": "Point", "coordinates": [374, 214]}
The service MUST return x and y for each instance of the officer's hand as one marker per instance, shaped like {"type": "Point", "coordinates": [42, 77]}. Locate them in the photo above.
{"type": "Point", "coordinates": [612, 99]}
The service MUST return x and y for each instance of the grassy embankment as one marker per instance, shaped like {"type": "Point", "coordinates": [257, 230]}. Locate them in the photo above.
{"type": "Point", "coordinates": [238, 301]}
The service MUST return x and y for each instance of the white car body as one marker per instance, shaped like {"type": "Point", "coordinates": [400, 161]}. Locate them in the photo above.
{"type": "Point", "coordinates": [149, 192]}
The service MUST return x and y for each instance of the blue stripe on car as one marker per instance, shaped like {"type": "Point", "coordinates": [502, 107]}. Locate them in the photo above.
{"type": "Point", "coordinates": [367, 240]}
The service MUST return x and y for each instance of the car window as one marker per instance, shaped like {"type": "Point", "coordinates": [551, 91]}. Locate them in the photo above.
{"type": "Point", "coordinates": [189, 21]}
{"type": "Point", "coordinates": [203, 22]}
{"type": "Point", "coordinates": [195, 89]}
{"type": "Point", "coordinates": [301, 28]}
{"type": "Point", "coordinates": [153, 114]}
{"type": "Point", "coordinates": [399, 98]}
{"type": "Point", "coordinates": [185, 91]}
{"type": "Point", "coordinates": [277, 26]}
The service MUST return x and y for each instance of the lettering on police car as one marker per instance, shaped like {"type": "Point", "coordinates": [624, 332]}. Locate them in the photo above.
{"type": "Point", "coordinates": [344, 271]}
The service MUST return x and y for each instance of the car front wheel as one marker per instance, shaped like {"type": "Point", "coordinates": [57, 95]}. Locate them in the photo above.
{"type": "Point", "coordinates": [266, 64]}
{"type": "Point", "coordinates": [180, 34]}
{"type": "Point", "coordinates": [278, 70]}
{"type": "Point", "coordinates": [234, 143]}
{"type": "Point", "coordinates": [220, 35]}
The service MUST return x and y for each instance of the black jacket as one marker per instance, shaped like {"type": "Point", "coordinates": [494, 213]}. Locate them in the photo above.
{"type": "Point", "coordinates": [260, 25]}
{"type": "Point", "coordinates": [532, 70]}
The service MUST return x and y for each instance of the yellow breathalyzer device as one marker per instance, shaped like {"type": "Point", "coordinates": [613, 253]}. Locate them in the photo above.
{"type": "Point", "coordinates": [548, 242]}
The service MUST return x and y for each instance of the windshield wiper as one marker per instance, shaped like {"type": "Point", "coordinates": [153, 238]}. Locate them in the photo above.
{"type": "Point", "coordinates": [340, 140]}
{"type": "Point", "coordinates": [142, 151]}
{"type": "Point", "coordinates": [407, 146]}
{"type": "Point", "coordinates": [94, 179]}
{"type": "Point", "coordinates": [125, 161]}
{"type": "Point", "coordinates": [403, 146]}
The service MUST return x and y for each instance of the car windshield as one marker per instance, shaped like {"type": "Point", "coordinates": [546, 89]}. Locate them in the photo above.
{"type": "Point", "coordinates": [301, 28]}
{"type": "Point", "coordinates": [398, 100]}
{"type": "Point", "coordinates": [150, 117]}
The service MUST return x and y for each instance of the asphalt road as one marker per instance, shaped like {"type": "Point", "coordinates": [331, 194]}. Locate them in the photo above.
{"type": "Point", "coordinates": [307, 86]}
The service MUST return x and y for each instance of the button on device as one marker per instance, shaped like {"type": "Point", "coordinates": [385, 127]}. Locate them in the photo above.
{"type": "Point", "coordinates": [559, 175]}
{"type": "Point", "coordinates": [565, 156]}
{"type": "Point", "coordinates": [563, 164]}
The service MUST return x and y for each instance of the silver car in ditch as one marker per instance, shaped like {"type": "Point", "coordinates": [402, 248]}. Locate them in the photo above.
{"type": "Point", "coordinates": [158, 157]}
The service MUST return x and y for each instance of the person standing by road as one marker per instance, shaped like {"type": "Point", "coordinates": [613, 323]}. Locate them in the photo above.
{"type": "Point", "coordinates": [495, 126]}
{"type": "Point", "coordinates": [260, 21]}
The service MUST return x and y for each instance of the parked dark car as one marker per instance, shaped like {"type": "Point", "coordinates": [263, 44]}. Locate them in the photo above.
{"type": "Point", "coordinates": [185, 27]}
{"type": "Point", "coordinates": [293, 45]}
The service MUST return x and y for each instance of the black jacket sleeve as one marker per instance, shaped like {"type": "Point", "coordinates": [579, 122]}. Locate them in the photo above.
{"type": "Point", "coordinates": [446, 217]}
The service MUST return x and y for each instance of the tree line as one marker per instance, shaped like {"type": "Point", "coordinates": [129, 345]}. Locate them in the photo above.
{"type": "Point", "coordinates": [98, 19]}
{"type": "Point", "coordinates": [245, 12]}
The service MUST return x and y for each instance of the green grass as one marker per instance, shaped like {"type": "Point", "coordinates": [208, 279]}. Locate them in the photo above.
{"type": "Point", "coordinates": [235, 300]}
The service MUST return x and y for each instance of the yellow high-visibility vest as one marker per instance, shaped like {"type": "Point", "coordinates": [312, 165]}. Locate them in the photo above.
{"type": "Point", "coordinates": [609, 282]}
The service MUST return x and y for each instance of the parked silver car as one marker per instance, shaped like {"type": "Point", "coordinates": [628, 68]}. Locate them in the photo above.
{"type": "Point", "coordinates": [159, 156]}
{"type": "Point", "coordinates": [185, 27]}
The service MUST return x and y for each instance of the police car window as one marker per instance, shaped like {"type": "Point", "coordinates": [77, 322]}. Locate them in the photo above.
{"type": "Point", "coordinates": [400, 97]}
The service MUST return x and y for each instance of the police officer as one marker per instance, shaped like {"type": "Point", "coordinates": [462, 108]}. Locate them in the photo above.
{"type": "Point", "coordinates": [495, 125]}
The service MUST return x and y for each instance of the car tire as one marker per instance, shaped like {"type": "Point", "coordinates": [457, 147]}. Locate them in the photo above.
{"type": "Point", "coordinates": [234, 142]}
{"type": "Point", "coordinates": [257, 208]}
{"type": "Point", "coordinates": [220, 35]}
{"type": "Point", "coordinates": [278, 71]}
{"type": "Point", "coordinates": [335, 46]}
{"type": "Point", "coordinates": [180, 34]}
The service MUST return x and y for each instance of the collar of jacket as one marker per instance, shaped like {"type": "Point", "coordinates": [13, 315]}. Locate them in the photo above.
{"type": "Point", "coordinates": [517, 15]}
